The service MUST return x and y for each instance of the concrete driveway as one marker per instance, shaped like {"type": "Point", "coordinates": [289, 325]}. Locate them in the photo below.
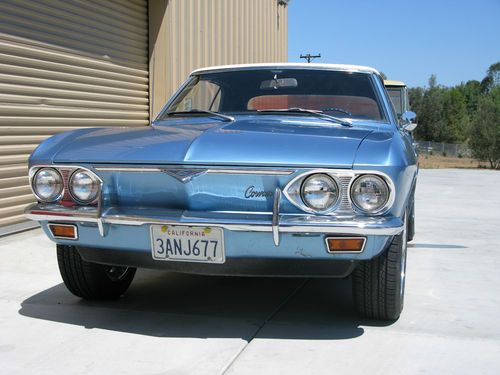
{"type": "Point", "coordinates": [181, 324]}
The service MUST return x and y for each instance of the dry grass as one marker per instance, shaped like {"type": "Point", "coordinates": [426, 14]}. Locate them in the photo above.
{"type": "Point", "coordinates": [439, 161]}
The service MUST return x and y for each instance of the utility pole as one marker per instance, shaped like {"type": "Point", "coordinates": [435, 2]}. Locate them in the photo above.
{"type": "Point", "coordinates": [310, 57]}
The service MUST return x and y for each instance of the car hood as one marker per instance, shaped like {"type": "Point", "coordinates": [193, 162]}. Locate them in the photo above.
{"type": "Point", "coordinates": [251, 140]}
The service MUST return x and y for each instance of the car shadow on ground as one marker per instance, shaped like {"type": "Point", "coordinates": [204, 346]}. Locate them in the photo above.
{"type": "Point", "coordinates": [174, 305]}
{"type": "Point", "coordinates": [435, 246]}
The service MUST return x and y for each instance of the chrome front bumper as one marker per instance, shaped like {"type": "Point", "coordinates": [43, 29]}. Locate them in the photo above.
{"type": "Point", "coordinates": [234, 221]}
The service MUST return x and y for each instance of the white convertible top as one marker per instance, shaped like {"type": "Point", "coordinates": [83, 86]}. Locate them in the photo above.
{"type": "Point", "coordinates": [341, 67]}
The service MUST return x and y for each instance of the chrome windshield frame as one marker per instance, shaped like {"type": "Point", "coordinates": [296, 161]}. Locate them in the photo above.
{"type": "Point", "coordinates": [387, 114]}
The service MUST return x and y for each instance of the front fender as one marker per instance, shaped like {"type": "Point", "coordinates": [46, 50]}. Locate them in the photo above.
{"type": "Point", "coordinates": [387, 151]}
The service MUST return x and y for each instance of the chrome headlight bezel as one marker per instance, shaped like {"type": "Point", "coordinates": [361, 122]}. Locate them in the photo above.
{"type": "Point", "coordinates": [293, 188]}
{"type": "Point", "coordinates": [333, 186]}
{"type": "Point", "coordinates": [57, 195]}
{"type": "Point", "coordinates": [344, 179]}
{"type": "Point", "coordinates": [95, 181]}
{"type": "Point", "coordinates": [384, 183]}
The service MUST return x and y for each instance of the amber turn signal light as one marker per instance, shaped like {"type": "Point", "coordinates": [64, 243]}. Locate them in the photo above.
{"type": "Point", "coordinates": [345, 244]}
{"type": "Point", "coordinates": [64, 231]}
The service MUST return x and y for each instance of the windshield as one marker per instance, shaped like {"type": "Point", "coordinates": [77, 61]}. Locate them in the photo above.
{"type": "Point", "coordinates": [341, 94]}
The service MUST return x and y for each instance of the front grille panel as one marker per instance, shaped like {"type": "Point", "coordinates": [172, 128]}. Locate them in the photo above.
{"type": "Point", "coordinates": [213, 189]}
{"type": "Point", "coordinates": [345, 203]}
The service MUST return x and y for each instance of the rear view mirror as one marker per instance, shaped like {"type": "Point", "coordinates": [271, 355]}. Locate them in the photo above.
{"type": "Point", "coordinates": [408, 121]}
{"type": "Point", "coordinates": [278, 83]}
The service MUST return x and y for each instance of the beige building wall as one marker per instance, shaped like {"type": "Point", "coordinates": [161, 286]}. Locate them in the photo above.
{"type": "Point", "coordinates": [188, 34]}
{"type": "Point", "coordinates": [70, 64]}
{"type": "Point", "coordinates": [65, 65]}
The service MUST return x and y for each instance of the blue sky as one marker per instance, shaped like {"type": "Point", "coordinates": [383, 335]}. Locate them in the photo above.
{"type": "Point", "coordinates": [407, 40]}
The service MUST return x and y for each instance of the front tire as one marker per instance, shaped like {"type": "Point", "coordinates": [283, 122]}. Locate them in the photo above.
{"type": "Point", "coordinates": [92, 281]}
{"type": "Point", "coordinates": [379, 283]}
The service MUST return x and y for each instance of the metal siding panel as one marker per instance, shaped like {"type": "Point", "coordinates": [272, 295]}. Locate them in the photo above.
{"type": "Point", "coordinates": [46, 18]}
{"type": "Point", "coordinates": [13, 182]}
{"type": "Point", "coordinates": [32, 100]}
{"type": "Point", "coordinates": [35, 49]}
{"type": "Point", "coordinates": [15, 190]}
{"type": "Point", "coordinates": [62, 84]}
{"type": "Point", "coordinates": [69, 113]}
{"type": "Point", "coordinates": [13, 171]}
{"type": "Point", "coordinates": [65, 65]}
{"type": "Point", "coordinates": [23, 29]}
{"type": "Point", "coordinates": [196, 33]}
{"type": "Point", "coordinates": [98, 12]}
{"type": "Point", "coordinates": [70, 94]}
{"type": "Point", "coordinates": [17, 70]}
{"type": "Point", "coordinates": [110, 27]}
{"type": "Point", "coordinates": [10, 219]}
{"type": "Point", "coordinates": [61, 121]}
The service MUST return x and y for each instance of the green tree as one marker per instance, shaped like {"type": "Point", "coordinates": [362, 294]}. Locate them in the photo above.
{"type": "Point", "coordinates": [455, 117]}
{"type": "Point", "coordinates": [416, 97]}
{"type": "Point", "coordinates": [484, 138]}
{"type": "Point", "coordinates": [492, 78]}
{"type": "Point", "coordinates": [471, 92]}
{"type": "Point", "coordinates": [430, 117]}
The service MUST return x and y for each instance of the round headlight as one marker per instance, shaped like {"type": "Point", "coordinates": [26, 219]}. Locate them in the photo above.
{"type": "Point", "coordinates": [319, 192]}
{"type": "Point", "coordinates": [369, 193]}
{"type": "Point", "coordinates": [47, 184]}
{"type": "Point", "coordinates": [84, 186]}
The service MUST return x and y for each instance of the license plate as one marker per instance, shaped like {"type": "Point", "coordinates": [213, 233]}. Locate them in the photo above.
{"type": "Point", "coordinates": [185, 243]}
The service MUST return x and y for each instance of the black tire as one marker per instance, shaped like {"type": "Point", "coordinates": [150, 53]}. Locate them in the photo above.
{"type": "Point", "coordinates": [411, 220]}
{"type": "Point", "coordinates": [379, 283]}
{"type": "Point", "coordinates": [92, 281]}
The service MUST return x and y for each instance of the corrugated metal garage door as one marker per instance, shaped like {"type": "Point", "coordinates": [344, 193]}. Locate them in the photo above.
{"type": "Point", "coordinates": [63, 65]}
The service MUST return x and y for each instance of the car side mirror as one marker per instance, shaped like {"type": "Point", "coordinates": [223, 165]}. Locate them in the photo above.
{"type": "Point", "coordinates": [407, 121]}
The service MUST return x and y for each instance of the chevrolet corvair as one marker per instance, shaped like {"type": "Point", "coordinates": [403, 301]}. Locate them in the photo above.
{"type": "Point", "coordinates": [298, 170]}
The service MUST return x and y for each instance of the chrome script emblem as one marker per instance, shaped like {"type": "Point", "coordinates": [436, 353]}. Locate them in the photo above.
{"type": "Point", "coordinates": [250, 192]}
{"type": "Point", "coordinates": [184, 174]}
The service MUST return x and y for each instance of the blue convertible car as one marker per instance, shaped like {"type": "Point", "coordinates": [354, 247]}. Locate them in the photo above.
{"type": "Point", "coordinates": [296, 170]}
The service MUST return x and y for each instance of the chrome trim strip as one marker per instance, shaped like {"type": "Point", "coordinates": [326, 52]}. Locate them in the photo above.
{"type": "Point", "coordinates": [274, 172]}
{"type": "Point", "coordinates": [345, 238]}
{"type": "Point", "coordinates": [386, 101]}
{"type": "Point", "coordinates": [276, 217]}
{"type": "Point", "coordinates": [271, 66]}
{"type": "Point", "coordinates": [287, 224]}
{"type": "Point", "coordinates": [128, 169]}
{"type": "Point", "coordinates": [172, 99]}
{"type": "Point", "coordinates": [277, 172]}
{"type": "Point", "coordinates": [75, 237]}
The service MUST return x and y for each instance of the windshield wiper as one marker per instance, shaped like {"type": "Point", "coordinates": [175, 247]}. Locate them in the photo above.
{"type": "Point", "coordinates": [201, 111]}
{"type": "Point", "coordinates": [318, 114]}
